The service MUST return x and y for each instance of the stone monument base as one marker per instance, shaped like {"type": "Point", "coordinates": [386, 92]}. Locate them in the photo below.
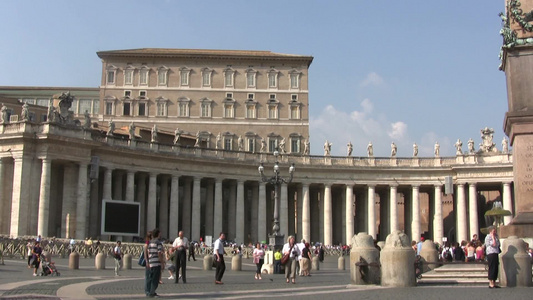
{"type": "Point", "coordinates": [521, 226]}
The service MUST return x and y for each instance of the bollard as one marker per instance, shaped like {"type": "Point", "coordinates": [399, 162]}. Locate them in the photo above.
{"type": "Point", "coordinates": [99, 261]}
{"type": "Point", "coordinates": [208, 263]}
{"type": "Point", "coordinates": [515, 263]}
{"type": "Point", "coordinates": [364, 252]}
{"type": "Point", "coordinates": [397, 261]}
{"type": "Point", "coordinates": [126, 261]}
{"type": "Point", "coordinates": [429, 254]}
{"type": "Point", "coordinates": [268, 266]}
{"type": "Point", "coordinates": [74, 261]}
{"type": "Point", "coordinates": [315, 263]}
{"type": "Point", "coordinates": [236, 263]}
{"type": "Point", "coordinates": [340, 263]}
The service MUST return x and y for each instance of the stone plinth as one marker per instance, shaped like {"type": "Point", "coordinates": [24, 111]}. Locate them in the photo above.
{"type": "Point", "coordinates": [515, 266]}
{"type": "Point", "coordinates": [429, 255]}
{"type": "Point", "coordinates": [397, 261]}
{"type": "Point", "coordinates": [363, 251]}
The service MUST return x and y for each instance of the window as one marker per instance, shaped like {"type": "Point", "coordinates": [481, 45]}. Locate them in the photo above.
{"type": "Point", "coordinates": [74, 106]}
{"type": "Point", "coordinates": [111, 77]}
{"type": "Point", "coordinates": [126, 108]}
{"type": "Point", "coordinates": [109, 108]}
{"type": "Point", "coordinates": [29, 101]}
{"type": "Point", "coordinates": [85, 106]}
{"type": "Point", "coordinates": [273, 78]}
{"type": "Point", "coordinates": [128, 75]}
{"type": "Point", "coordinates": [205, 108]}
{"type": "Point", "coordinates": [228, 142]}
{"type": "Point", "coordinates": [183, 107]}
{"type": "Point", "coordinates": [251, 96]}
{"type": "Point", "coordinates": [294, 77]}
{"type": "Point", "coordinates": [295, 112]}
{"type": "Point", "coordinates": [142, 94]}
{"type": "Point", "coordinates": [251, 144]}
{"type": "Point", "coordinates": [273, 111]}
{"type": "Point", "coordinates": [143, 75]}
{"type": "Point", "coordinates": [142, 109]}
{"type": "Point", "coordinates": [272, 144]}
{"type": "Point", "coordinates": [184, 76]}
{"type": "Point", "coordinates": [43, 102]}
{"type": "Point", "coordinates": [228, 110]}
{"type": "Point", "coordinates": [295, 145]}
{"type": "Point", "coordinates": [127, 94]}
{"type": "Point", "coordinates": [294, 97]}
{"type": "Point", "coordinates": [96, 106]}
{"type": "Point", "coordinates": [250, 78]}
{"type": "Point", "coordinates": [250, 111]}
{"type": "Point", "coordinates": [162, 73]}
{"type": "Point", "coordinates": [206, 77]}
{"type": "Point", "coordinates": [229, 95]}
{"type": "Point", "coordinates": [161, 110]}
{"type": "Point", "coordinates": [229, 74]}
{"type": "Point", "coordinates": [272, 97]}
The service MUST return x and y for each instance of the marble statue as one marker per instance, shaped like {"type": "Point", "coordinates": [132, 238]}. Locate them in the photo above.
{"type": "Point", "coordinates": [87, 120]}
{"type": "Point", "coordinates": [131, 130]}
{"type": "Point", "coordinates": [487, 145]}
{"type": "Point", "coordinates": [240, 143]}
{"type": "Point", "coordinates": [154, 134]}
{"type": "Point", "coordinates": [51, 114]}
{"type": "Point", "coordinates": [505, 145]}
{"type": "Point", "coordinates": [349, 148]}
{"type": "Point", "coordinates": [111, 128]}
{"type": "Point", "coordinates": [281, 146]}
{"type": "Point", "coordinates": [327, 148]}
{"type": "Point", "coordinates": [197, 142]}
{"type": "Point", "coordinates": [177, 136]}
{"type": "Point", "coordinates": [415, 150]}
{"type": "Point", "coordinates": [3, 114]}
{"type": "Point", "coordinates": [306, 147]}
{"type": "Point", "coordinates": [393, 150]}
{"type": "Point", "coordinates": [25, 113]}
{"type": "Point", "coordinates": [471, 149]}
{"type": "Point", "coordinates": [370, 149]}
{"type": "Point", "coordinates": [458, 147]}
{"type": "Point", "coordinates": [218, 141]}
{"type": "Point", "coordinates": [437, 149]}
{"type": "Point", "coordinates": [65, 102]}
{"type": "Point", "coordinates": [263, 146]}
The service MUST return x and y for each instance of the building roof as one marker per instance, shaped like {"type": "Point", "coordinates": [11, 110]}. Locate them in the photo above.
{"type": "Point", "coordinates": [203, 53]}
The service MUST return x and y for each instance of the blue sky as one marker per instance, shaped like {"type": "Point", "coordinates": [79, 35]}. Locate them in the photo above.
{"type": "Point", "coordinates": [383, 71]}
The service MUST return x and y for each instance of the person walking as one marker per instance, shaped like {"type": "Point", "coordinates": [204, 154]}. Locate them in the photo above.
{"type": "Point", "coordinates": [36, 257]}
{"type": "Point", "coordinates": [192, 249]}
{"type": "Point", "coordinates": [117, 254]}
{"type": "Point", "coordinates": [492, 246]}
{"type": "Point", "coordinates": [218, 249]}
{"type": "Point", "coordinates": [147, 283]}
{"type": "Point", "coordinates": [277, 261]}
{"type": "Point", "coordinates": [259, 260]}
{"type": "Point", "coordinates": [180, 245]}
{"type": "Point", "coordinates": [154, 262]}
{"type": "Point", "coordinates": [291, 249]}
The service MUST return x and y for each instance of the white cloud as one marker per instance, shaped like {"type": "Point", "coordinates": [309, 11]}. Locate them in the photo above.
{"type": "Point", "coordinates": [398, 131]}
{"type": "Point", "coordinates": [372, 79]}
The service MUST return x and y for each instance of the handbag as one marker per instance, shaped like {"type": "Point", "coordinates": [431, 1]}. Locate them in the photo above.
{"type": "Point", "coordinates": [142, 260]}
{"type": "Point", "coordinates": [286, 257]}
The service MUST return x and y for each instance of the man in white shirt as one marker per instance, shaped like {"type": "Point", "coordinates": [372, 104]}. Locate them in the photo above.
{"type": "Point", "coordinates": [180, 245]}
{"type": "Point", "coordinates": [218, 251]}
{"type": "Point", "coordinates": [300, 246]}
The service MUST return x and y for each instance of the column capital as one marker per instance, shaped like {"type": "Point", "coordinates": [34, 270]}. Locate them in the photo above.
{"type": "Point", "coordinates": [506, 183]}
{"type": "Point", "coordinates": [472, 183]}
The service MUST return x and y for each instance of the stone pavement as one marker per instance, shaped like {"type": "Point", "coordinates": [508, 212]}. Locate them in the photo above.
{"type": "Point", "coordinates": [16, 282]}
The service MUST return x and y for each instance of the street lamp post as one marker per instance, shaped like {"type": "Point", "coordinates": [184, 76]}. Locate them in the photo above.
{"type": "Point", "coordinates": [276, 238]}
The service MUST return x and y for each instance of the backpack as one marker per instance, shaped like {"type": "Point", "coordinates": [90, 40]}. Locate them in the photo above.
{"type": "Point", "coordinates": [447, 254]}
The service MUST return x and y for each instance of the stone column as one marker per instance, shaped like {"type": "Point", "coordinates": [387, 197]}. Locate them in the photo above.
{"type": "Point", "coordinates": [472, 199]}
{"type": "Point", "coordinates": [152, 202]}
{"type": "Point", "coordinates": [306, 213]}
{"type": "Point", "coordinates": [163, 206]}
{"type": "Point", "coordinates": [349, 214]}
{"type": "Point", "coordinates": [21, 196]}
{"type": "Point", "coordinates": [187, 206]}
{"type": "Point", "coordinates": [108, 179]}
{"type": "Point", "coordinates": [438, 227]}
{"type": "Point", "coordinates": [44, 196]}
{"type": "Point", "coordinates": [81, 205]}
{"type": "Point", "coordinates": [196, 210]}
{"type": "Point", "coordinates": [130, 186]}
{"type": "Point", "coordinates": [261, 214]}
{"type": "Point", "coordinates": [232, 200]}
{"type": "Point", "coordinates": [239, 226]}
{"type": "Point", "coordinates": [415, 223]}
{"type": "Point", "coordinates": [461, 213]}
{"type": "Point", "coordinates": [174, 208]}
{"type": "Point", "coordinates": [217, 227]}
{"type": "Point", "coordinates": [209, 203]}
{"type": "Point", "coordinates": [393, 208]}
{"type": "Point", "coordinates": [284, 210]}
{"type": "Point", "coordinates": [141, 198]}
{"type": "Point", "coordinates": [328, 230]}
{"type": "Point", "coordinates": [68, 210]}
{"type": "Point", "coordinates": [117, 186]}
{"type": "Point", "coordinates": [507, 201]}
{"type": "Point", "coordinates": [5, 211]}
{"type": "Point", "coordinates": [371, 200]}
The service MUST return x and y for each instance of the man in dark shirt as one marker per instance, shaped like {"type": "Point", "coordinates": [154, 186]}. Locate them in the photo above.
{"type": "Point", "coordinates": [154, 252]}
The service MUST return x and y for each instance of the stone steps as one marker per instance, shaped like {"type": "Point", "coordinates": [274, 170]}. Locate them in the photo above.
{"type": "Point", "coordinates": [456, 274]}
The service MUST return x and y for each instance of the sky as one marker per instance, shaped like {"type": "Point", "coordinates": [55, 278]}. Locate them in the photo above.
{"type": "Point", "coordinates": [383, 71]}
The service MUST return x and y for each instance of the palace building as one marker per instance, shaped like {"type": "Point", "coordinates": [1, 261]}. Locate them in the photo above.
{"type": "Point", "coordinates": [232, 109]}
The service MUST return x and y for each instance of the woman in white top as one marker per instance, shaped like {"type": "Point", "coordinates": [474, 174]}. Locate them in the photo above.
{"type": "Point", "coordinates": [259, 259]}
{"type": "Point", "coordinates": [294, 252]}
